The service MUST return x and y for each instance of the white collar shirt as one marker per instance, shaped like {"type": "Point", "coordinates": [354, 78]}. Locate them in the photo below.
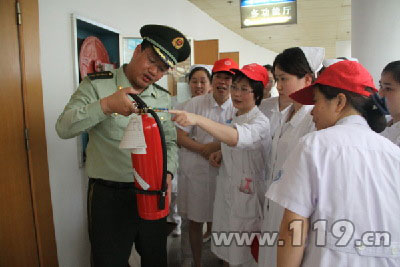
{"type": "Point", "coordinates": [206, 106]}
{"type": "Point", "coordinates": [346, 174]}
{"type": "Point", "coordinates": [253, 134]}
{"type": "Point", "coordinates": [285, 139]}
{"type": "Point", "coordinates": [197, 178]}
{"type": "Point", "coordinates": [270, 108]}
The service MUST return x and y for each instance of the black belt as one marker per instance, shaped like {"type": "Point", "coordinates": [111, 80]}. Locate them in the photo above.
{"type": "Point", "coordinates": [117, 185]}
{"type": "Point", "coordinates": [123, 185]}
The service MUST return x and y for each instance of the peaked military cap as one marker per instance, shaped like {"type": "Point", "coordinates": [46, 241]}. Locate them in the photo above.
{"type": "Point", "coordinates": [169, 43]}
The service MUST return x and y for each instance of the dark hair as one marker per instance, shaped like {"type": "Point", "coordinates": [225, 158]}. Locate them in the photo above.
{"type": "Point", "coordinates": [268, 67]}
{"type": "Point", "coordinates": [226, 72]}
{"type": "Point", "coordinates": [200, 69]}
{"type": "Point", "coordinates": [293, 61]}
{"type": "Point", "coordinates": [393, 68]}
{"type": "Point", "coordinates": [257, 86]}
{"type": "Point", "coordinates": [365, 105]}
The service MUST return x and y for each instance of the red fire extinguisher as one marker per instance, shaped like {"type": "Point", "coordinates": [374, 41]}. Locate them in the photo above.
{"type": "Point", "coordinates": [151, 168]}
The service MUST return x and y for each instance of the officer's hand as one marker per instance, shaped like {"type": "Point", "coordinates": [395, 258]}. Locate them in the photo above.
{"type": "Point", "coordinates": [210, 148]}
{"type": "Point", "coordinates": [119, 102]}
{"type": "Point", "coordinates": [216, 158]}
{"type": "Point", "coordinates": [169, 188]}
{"type": "Point", "coordinates": [184, 118]}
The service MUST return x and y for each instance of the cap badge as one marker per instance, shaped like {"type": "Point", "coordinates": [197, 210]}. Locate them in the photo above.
{"type": "Point", "coordinates": [178, 42]}
{"type": "Point", "coordinates": [228, 63]}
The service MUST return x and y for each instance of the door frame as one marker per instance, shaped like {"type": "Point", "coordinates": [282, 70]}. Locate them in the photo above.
{"type": "Point", "coordinates": [34, 119]}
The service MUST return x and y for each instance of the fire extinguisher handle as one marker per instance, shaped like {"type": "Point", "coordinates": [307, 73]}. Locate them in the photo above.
{"type": "Point", "coordinates": [140, 103]}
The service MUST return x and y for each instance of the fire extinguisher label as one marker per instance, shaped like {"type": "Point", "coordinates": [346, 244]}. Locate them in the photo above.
{"type": "Point", "coordinates": [134, 137]}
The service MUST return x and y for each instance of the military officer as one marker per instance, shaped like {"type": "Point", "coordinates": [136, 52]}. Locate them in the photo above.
{"type": "Point", "coordinates": [101, 106]}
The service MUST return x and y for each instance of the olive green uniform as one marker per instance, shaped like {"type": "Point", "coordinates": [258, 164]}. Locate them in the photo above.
{"type": "Point", "coordinates": [114, 224]}
{"type": "Point", "coordinates": [105, 159]}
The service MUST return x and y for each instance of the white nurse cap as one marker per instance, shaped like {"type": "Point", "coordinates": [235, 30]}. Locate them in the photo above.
{"type": "Point", "coordinates": [314, 56]}
{"type": "Point", "coordinates": [329, 61]}
{"type": "Point", "coordinates": [207, 67]}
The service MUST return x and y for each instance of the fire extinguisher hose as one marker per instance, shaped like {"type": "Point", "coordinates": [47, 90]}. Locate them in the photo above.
{"type": "Point", "coordinates": [163, 191]}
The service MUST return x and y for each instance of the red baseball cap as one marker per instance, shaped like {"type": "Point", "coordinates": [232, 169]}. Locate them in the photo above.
{"type": "Point", "coordinates": [346, 75]}
{"type": "Point", "coordinates": [255, 72]}
{"type": "Point", "coordinates": [225, 64]}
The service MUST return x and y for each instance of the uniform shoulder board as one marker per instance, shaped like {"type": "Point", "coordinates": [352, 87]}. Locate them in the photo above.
{"type": "Point", "coordinates": [100, 75]}
{"type": "Point", "coordinates": [161, 88]}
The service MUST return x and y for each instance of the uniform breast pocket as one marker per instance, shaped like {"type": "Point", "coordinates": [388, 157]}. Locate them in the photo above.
{"type": "Point", "coordinates": [116, 126]}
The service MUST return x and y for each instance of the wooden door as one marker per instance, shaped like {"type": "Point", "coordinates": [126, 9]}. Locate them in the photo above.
{"type": "Point", "coordinates": [26, 221]}
{"type": "Point", "coordinates": [18, 245]}
{"type": "Point", "coordinates": [205, 52]}
{"type": "Point", "coordinates": [232, 55]}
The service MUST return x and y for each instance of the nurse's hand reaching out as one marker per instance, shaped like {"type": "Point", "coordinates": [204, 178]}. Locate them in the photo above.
{"type": "Point", "coordinates": [184, 118]}
{"type": "Point", "coordinates": [215, 158]}
{"type": "Point", "coordinates": [220, 132]}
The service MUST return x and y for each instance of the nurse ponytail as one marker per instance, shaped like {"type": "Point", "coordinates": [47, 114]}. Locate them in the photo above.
{"type": "Point", "coordinates": [366, 106]}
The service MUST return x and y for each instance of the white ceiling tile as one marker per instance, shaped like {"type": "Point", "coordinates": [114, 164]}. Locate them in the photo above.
{"type": "Point", "coordinates": [319, 23]}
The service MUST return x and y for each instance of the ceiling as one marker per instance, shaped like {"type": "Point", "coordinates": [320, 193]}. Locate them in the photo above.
{"type": "Point", "coordinates": [319, 23]}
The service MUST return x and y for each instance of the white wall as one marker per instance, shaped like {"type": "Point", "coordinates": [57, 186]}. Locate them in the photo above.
{"type": "Point", "coordinates": [375, 33]}
{"type": "Point", "coordinates": [67, 180]}
{"type": "Point", "coordinates": [343, 49]}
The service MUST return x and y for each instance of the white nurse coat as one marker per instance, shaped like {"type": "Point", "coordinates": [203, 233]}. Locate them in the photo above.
{"type": "Point", "coordinates": [174, 189]}
{"type": "Point", "coordinates": [287, 135]}
{"type": "Point", "coordinates": [344, 172]}
{"type": "Point", "coordinates": [270, 108]}
{"type": "Point", "coordinates": [196, 183]}
{"type": "Point", "coordinates": [393, 133]}
{"type": "Point", "coordinates": [236, 210]}
{"type": "Point", "coordinates": [285, 139]}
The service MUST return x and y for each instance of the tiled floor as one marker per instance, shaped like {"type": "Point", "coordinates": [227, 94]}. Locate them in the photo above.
{"type": "Point", "coordinates": [175, 255]}
{"type": "Point", "coordinates": [175, 258]}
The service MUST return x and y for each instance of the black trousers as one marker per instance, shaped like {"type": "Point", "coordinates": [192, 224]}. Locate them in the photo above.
{"type": "Point", "coordinates": [114, 225]}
